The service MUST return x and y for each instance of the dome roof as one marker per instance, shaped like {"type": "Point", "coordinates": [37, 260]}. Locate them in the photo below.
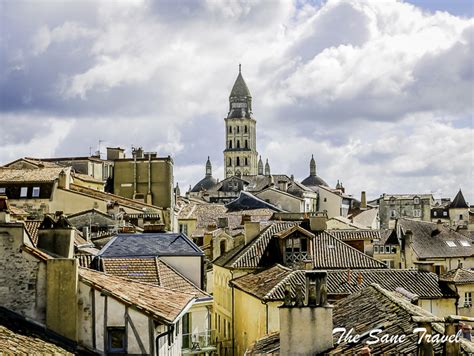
{"type": "Point", "coordinates": [204, 184]}
{"type": "Point", "coordinates": [314, 181]}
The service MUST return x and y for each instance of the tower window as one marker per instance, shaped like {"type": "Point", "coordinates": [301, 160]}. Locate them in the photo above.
{"type": "Point", "coordinates": [237, 161]}
{"type": "Point", "coordinates": [245, 129]}
{"type": "Point", "coordinates": [246, 161]}
{"type": "Point", "coordinates": [246, 144]}
{"type": "Point", "coordinates": [238, 143]}
{"type": "Point", "coordinates": [230, 144]}
{"type": "Point", "coordinates": [230, 129]}
{"type": "Point", "coordinates": [229, 162]}
{"type": "Point", "coordinates": [238, 127]}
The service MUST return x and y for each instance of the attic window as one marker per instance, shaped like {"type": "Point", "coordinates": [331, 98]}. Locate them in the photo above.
{"type": "Point", "coordinates": [2, 190]}
{"type": "Point", "coordinates": [416, 200]}
{"type": "Point", "coordinates": [23, 192]}
{"type": "Point", "coordinates": [450, 243]}
{"type": "Point", "coordinates": [465, 243]}
{"type": "Point", "coordinates": [445, 213]}
{"type": "Point", "coordinates": [36, 192]}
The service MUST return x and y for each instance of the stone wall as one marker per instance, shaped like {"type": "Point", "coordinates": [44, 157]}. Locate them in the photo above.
{"type": "Point", "coordinates": [22, 279]}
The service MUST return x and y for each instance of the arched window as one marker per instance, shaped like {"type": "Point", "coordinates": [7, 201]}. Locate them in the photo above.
{"type": "Point", "coordinates": [246, 144]}
{"type": "Point", "coordinates": [245, 129]}
{"type": "Point", "coordinates": [230, 143]}
{"type": "Point", "coordinates": [230, 129]}
{"type": "Point", "coordinates": [238, 143]}
{"type": "Point", "coordinates": [229, 162]}
{"type": "Point", "coordinates": [237, 161]}
{"type": "Point", "coordinates": [222, 247]}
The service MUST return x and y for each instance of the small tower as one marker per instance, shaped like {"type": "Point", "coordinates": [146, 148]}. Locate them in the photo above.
{"type": "Point", "coordinates": [240, 154]}
{"type": "Point", "coordinates": [312, 167]}
{"type": "Point", "coordinates": [208, 168]}
{"type": "Point", "coordinates": [260, 166]}
{"type": "Point", "coordinates": [267, 168]}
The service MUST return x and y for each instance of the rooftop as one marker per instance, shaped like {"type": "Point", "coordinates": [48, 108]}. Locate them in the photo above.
{"type": "Point", "coordinates": [150, 245]}
{"type": "Point", "coordinates": [459, 276]}
{"type": "Point", "coordinates": [160, 303]}
{"type": "Point", "coordinates": [9, 175]}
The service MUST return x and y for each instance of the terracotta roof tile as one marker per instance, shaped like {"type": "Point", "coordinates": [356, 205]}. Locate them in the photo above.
{"type": "Point", "coordinates": [160, 303]}
{"type": "Point", "coordinates": [347, 235]}
{"type": "Point", "coordinates": [458, 276]}
{"type": "Point", "coordinates": [30, 175]}
{"type": "Point", "coordinates": [31, 227]}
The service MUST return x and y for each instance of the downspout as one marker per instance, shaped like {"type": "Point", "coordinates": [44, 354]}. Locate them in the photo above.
{"type": "Point", "coordinates": [149, 173]}
{"type": "Point", "coordinates": [157, 340]}
{"type": "Point", "coordinates": [233, 323]}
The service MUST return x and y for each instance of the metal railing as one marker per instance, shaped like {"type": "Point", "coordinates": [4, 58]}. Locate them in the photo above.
{"type": "Point", "coordinates": [199, 341]}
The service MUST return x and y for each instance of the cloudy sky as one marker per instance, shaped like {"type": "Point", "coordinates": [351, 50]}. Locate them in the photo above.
{"type": "Point", "coordinates": [381, 92]}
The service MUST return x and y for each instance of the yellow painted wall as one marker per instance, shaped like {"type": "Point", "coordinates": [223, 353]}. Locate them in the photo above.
{"type": "Point", "coordinates": [440, 307]}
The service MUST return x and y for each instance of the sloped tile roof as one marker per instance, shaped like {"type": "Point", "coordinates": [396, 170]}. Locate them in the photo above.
{"type": "Point", "coordinates": [252, 253]}
{"type": "Point", "coordinates": [21, 339]}
{"type": "Point", "coordinates": [459, 202]}
{"type": "Point", "coordinates": [372, 308]}
{"type": "Point", "coordinates": [160, 303]}
{"type": "Point", "coordinates": [30, 175]}
{"type": "Point", "coordinates": [348, 235]}
{"type": "Point", "coordinates": [331, 253]}
{"type": "Point", "coordinates": [430, 240]}
{"type": "Point", "coordinates": [31, 227]}
{"type": "Point", "coordinates": [459, 276]}
{"type": "Point", "coordinates": [270, 284]}
{"type": "Point", "coordinates": [150, 245]}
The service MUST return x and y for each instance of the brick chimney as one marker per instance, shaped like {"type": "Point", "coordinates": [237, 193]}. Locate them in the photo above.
{"type": "Point", "coordinates": [306, 321]}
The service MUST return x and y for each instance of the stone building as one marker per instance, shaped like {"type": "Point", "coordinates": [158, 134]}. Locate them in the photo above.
{"type": "Point", "coordinates": [240, 154]}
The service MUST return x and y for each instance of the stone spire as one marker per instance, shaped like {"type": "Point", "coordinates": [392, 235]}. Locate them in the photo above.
{"type": "Point", "coordinates": [208, 168]}
{"type": "Point", "coordinates": [240, 99]}
{"type": "Point", "coordinates": [312, 167]}
{"type": "Point", "coordinates": [260, 166]}
{"type": "Point", "coordinates": [267, 168]}
{"type": "Point", "coordinates": [177, 191]}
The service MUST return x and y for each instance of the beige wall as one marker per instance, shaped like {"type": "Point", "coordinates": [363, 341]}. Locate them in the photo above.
{"type": "Point", "coordinates": [161, 180]}
{"type": "Point", "coordinates": [440, 307]}
{"type": "Point", "coordinates": [283, 201]}
{"type": "Point", "coordinates": [188, 266]}
{"type": "Point", "coordinates": [462, 290]}
{"type": "Point", "coordinates": [330, 202]}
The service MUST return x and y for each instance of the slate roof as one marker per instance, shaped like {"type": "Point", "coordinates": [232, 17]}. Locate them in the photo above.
{"type": "Point", "coordinates": [270, 284]}
{"type": "Point", "coordinates": [206, 183]}
{"type": "Point", "coordinates": [429, 240]}
{"type": "Point", "coordinates": [388, 236]}
{"type": "Point", "coordinates": [314, 182]}
{"type": "Point", "coordinates": [459, 276]}
{"type": "Point", "coordinates": [30, 175]}
{"type": "Point", "coordinates": [160, 303]}
{"type": "Point", "coordinates": [151, 270]}
{"type": "Point", "coordinates": [150, 245]}
{"type": "Point", "coordinates": [331, 253]}
{"type": "Point", "coordinates": [349, 235]}
{"type": "Point", "coordinates": [459, 202]}
{"type": "Point", "coordinates": [240, 87]}
{"type": "Point", "coordinates": [372, 308]}
{"type": "Point", "coordinates": [246, 201]}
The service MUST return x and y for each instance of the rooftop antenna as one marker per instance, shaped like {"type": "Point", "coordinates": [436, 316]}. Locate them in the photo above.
{"type": "Point", "coordinates": [90, 151]}
{"type": "Point", "coordinates": [98, 151]}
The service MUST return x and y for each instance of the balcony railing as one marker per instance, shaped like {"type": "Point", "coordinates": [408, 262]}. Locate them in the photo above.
{"type": "Point", "coordinates": [197, 343]}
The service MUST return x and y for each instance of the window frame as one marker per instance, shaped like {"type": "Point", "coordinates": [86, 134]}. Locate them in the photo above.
{"type": "Point", "coordinates": [3, 190]}
{"type": "Point", "coordinates": [111, 349]}
{"type": "Point", "coordinates": [37, 190]}
{"type": "Point", "coordinates": [23, 192]}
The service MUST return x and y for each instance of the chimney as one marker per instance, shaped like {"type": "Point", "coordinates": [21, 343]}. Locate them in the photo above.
{"type": "Point", "coordinates": [408, 237]}
{"type": "Point", "coordinates": [450, 330]}
{"type": "Point", "coordinates": [425, 347]}
{"type": "Point", "coordinates": [115, 153]}
{"type": "Point", "coordinates": [306, 321]}
{"type": "Point", "coordinates": [4, 210]}
{"type": "Point", "coordinates": [251, 230]}
{"type": "Point", "coordinates": [318, 222]}
{"type": "Point", "coordinates": [363, 200]}
{"type": "Point", "coordinates": [57, 238]}
{"type": "Point", "coordinates": [63, 181]}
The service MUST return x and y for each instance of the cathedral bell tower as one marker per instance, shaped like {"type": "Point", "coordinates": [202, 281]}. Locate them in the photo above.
{"type": "Point", "coordinates": [240, 154]}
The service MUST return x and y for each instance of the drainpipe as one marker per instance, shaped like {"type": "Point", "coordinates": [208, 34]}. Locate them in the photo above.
{"type": "Point", "coordinates": [157, 340]}
{"type": "Point", "coordinates": [233, 323]}
{"type": "Point", "coordinates": [149, 173]}
{"type": "Point", "coordinates": [266, 315]}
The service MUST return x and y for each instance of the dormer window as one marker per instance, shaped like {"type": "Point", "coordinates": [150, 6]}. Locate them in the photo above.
{"type": "Point", "coordinates": [416, 201]}
{"type": "Point", "coordinates": [296, 250]}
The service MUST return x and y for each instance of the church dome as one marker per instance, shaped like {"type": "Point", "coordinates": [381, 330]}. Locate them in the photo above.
{"type": "Point", "coordinates": [204, 184]}
{"type": "Point", "coordinates": [313, 180]}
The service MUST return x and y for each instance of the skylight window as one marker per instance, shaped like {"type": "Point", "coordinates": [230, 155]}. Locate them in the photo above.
{"type": "Point", "coordinates": [450, 243]}
{"type": "Point", "coordinates": [23, 192]}
{"type": "Point", "coordinates": [465, 243]}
